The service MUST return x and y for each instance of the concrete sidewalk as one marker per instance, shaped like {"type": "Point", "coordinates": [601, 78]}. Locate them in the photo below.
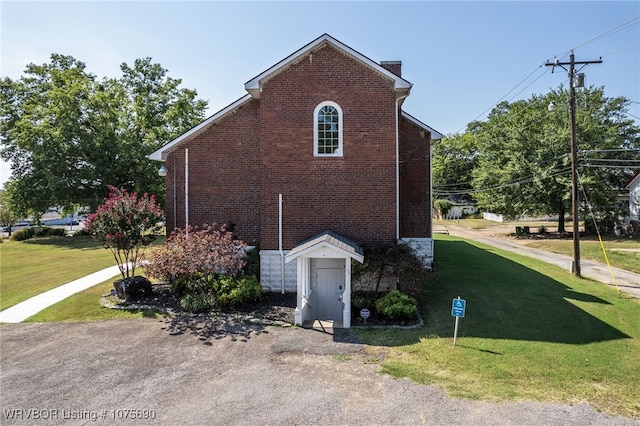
{"type": "Point", "coordinates": [32, 306]}
{"type": "Point", "coordinates": [626, 281]}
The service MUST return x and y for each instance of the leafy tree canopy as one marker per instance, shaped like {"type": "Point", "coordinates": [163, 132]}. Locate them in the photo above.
{"type": "Point", "coordinates": [69, 135]}
{"type": "Point", "coordinates": [454, 159]}
{"type": "Point", "coordinates": [519, 159]}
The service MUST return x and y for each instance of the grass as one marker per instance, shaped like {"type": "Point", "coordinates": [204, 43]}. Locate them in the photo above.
{"type": "Point", "coordinates": [85, 306]}
{"type": "Point", "coordinates": [531, 332]}
{"type": "Point", "coordinates": [35, 266]}
{"type": "Point", "coordinates": [622, 252]}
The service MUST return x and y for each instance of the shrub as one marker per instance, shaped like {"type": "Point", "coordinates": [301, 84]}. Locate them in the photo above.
{"type": "Point", "coordinates": [196, 302]}
{"type": "Point", "coordinates": [22, 234]}
{"type": "Point", "coordinates": [192, 252]}
{"type": "Point", "coordinates": [391, 262]}
{"type": "Point", "coordinates": [200, 293]}
{"type": "Point", "coordinates": [46, 231]}
{"type": "Point", "coordinates": [397, 305]}
{"type": "Point", "coordinates": [232, 292]}
{"type": "Point", "coordinates": [122, 224]}
{"type": "Point", "coordinates": [364, 299]}
{"type": "Point", "coordinates": [84, 232]}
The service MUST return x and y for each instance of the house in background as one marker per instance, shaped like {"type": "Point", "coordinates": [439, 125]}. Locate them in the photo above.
{"type": "Point", "coordinates": [634, 197]}
{"type": "Point", "coordinates": [317, 160]}
{"type": "Point", "coordinates": [461, 206]}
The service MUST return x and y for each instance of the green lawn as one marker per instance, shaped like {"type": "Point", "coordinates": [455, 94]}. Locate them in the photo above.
{"type": "Point", "coordinates": [531, 332]}
{"type": "Point", "coordinates": [31, 267]}
{"type": "Point", "coordinates": [85, 306]}
{"type": "Point", "coordinates": [622, 252]}
{"type": "Point", "coordinates": [35, 266]}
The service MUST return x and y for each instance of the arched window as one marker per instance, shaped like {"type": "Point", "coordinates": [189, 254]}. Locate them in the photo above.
{"type": "Point", "coordinates": [327, 137]}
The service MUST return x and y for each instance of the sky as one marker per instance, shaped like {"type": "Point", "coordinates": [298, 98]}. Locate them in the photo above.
{"type": "Point", "coordinates": [462, 57]}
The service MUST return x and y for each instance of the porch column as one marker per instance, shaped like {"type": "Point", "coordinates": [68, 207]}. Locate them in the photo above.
{"type": "Point", "coordinates": [299, 294]}
{"type": "Point", "coordinates": [346, 295]}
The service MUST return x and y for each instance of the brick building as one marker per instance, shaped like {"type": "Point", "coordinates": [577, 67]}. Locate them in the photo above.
{"type": "Point", "coordinates": [317, 159]}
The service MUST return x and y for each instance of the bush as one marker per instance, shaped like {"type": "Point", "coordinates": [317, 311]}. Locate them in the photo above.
{"type": "Point", "coordinates": [390, 262]}
{"type": "Point", "coordinates": [22, 234]}
{"type": "Point", "coordinates": [200, 293]}
{"type": "Point", "coordinates": [230, 292]}
{"type": "Point", "coordinates": [195, 292]}
{"type": "Point", "coordinates": [398, 306]}
{"type": "Point", "coordinates": [84, 232]}
{"type": "Point", "coordinates": [191, 253]}
{"type": "Point", "coordinates": [46, 231]}
{"type": "Point", "coordinates": [364, 299]}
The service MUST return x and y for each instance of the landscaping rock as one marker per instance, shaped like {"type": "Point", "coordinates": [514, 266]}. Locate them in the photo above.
{"type": "Point", "coordinates": [129, 289]}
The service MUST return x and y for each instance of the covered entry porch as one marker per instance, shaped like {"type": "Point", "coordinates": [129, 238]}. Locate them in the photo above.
{"type": "Point", "coordinates": [324, 278]}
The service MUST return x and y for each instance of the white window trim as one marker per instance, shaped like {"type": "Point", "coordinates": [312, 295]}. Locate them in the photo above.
{"type": "Point", "coordinates": [315, 129]}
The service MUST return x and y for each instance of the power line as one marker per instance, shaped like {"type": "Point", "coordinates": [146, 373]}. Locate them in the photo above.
{"type": "Point", "coordinates": [620, 50]}
{"type": "Point", "coordinates": [606, 34]}
{"type": "Point", "coordinates": [563, 54]}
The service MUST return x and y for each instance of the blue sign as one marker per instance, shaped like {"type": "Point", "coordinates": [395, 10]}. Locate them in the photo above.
{"type": "Point", "coordinates": [457, 307]}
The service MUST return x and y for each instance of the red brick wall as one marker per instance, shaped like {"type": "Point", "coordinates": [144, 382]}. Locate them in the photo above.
{"type": "Point", "coordinates": [239, 165]}
{"type": "Point", "coordinates": [353, 195]}
{"type": "Point", "coordinates": [223, 175]}
{"type": "Point", "coordinates": [415, 199]}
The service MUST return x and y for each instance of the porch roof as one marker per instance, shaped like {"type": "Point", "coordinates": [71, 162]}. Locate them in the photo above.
{"type": "Point", "coordinates": [336, 241]}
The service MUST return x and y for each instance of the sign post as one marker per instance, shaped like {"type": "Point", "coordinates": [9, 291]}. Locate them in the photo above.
{"type": "Point", "coordinates": [458, 307]}
{"type": "Point", "coordinates": [364, 313]}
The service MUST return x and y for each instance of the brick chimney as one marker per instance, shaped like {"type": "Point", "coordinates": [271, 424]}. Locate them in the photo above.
{"type": "Point", "coordinates": [393, 66]}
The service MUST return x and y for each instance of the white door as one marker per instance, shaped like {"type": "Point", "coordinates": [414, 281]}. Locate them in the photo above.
{"type": "Point", "coordinates": [328, 286]}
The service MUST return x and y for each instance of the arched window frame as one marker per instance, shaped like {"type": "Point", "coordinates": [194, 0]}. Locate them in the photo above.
{"type": "Point", "coordinates": [338, 152]}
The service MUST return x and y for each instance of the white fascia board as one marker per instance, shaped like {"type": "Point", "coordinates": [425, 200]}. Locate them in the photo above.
{"type": "Point", "coordinates": [320, 245]}
{"type": "Point", "coordinates": [635, 180]}
{"type": "Point", "coordinates": [435, 135]}
{"type": "Point", "coordinates": [253, 85]}
{"type": "Point", "coordinates": [161, 154]}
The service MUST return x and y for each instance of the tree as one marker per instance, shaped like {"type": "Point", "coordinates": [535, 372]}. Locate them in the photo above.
{"type": "Point", "coordinates": [524, 163]}
{"type": "Point", "coordinates": [8, 218]}
{"type": "Point", "coordinates": [454, 159]}
{"type": "Point", "coordinates": [69, 135]}
{"type": "Point", "coordinates": [123, 224]}
{"type": "Point", "coordinates": [443, 207]}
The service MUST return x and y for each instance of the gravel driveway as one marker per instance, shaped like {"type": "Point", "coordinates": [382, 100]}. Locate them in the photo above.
{"type": "Point", "coordinates": [193, 373]}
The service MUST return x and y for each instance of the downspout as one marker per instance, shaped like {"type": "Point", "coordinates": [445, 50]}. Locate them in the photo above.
{"type": "Point", "coordinates": [430, 195]}
{"type": "Point", "coordinates": [432, 245]}
{"type": "Point", "coordinates": [397, 171]}
{"type": "Point", "coordinates": [175, 200]}
{"type": "Point", "coordinates": [280, 240]}
{"type": "Point", "coordinates": [186, 189]}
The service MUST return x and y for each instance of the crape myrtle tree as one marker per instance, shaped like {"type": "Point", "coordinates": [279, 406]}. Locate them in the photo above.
{"type": "Point", "coordinates": [524, 154]}
{"type": "Point", "coordinates": [123, 224]}
{"type": "Point", "coordinates": [69, 135]}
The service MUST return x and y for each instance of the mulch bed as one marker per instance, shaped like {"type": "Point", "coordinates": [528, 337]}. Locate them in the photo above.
{"type": "Point", "coordinates": [273, 308]}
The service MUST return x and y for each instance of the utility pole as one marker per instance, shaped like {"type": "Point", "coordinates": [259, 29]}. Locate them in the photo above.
{"type": "Point", "coordinates": [574, 152]}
